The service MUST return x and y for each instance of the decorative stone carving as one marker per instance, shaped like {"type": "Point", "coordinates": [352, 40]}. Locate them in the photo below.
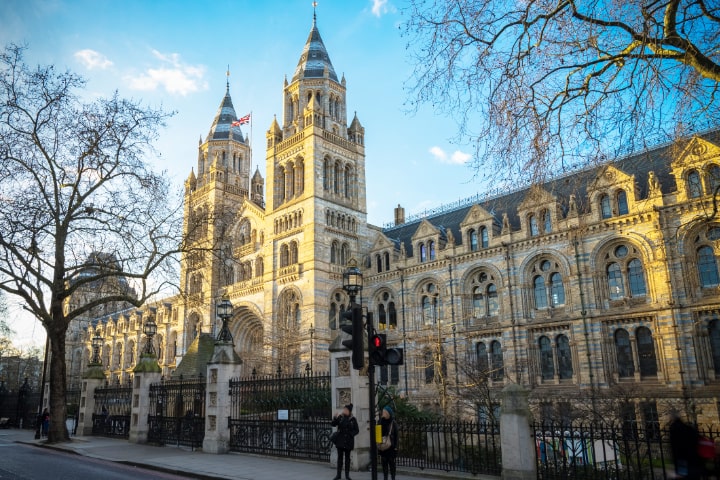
{"type": "Point", "coordinates": [213, 375]}
{"type": "Point", "coordinates": [213, 399]}
{"type": "Point", "coordinates": [653, 184]}
{"type": "Point", "coordinates": [698, 149]}
{"type": "Point", "coordinates": [343, 367]}
{"type": "Point", "coordinates": [344, 396]}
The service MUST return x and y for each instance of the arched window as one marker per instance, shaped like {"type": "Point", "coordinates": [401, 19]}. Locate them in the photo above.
{"type": "Point", "coordinates": [540, 292]}
{"type": "Point", "coordinates": [382, 317]}
{"type": "Point", "coordinates": [386, 255]}
{"type": "Point", "coordinates": [605, 208]}
{"type": "Point", "coordinates": [532, 222]}
{"type": "Point", "coordinates": [392, 315]}
{"type": "Point", "coordinates": [481, 358]}
{"type": "Point", "coordinates": [548, 288]}
{"type": "Point", "coordinates": [423, 253]}
{"type": "Point", "coordinates": [429, 362]}
{"type": "Point", "coordinates": [259, 270]}
{"type": "Point", "coordinates": [327, 175]}
{"type": "Point", "coordinates": [646, 352]}
{"type": "Point", "coordinates": [622, 203]}
{"type": "Point", "coordinates": [624, 268]}
{"type": "Point", "coordinates": [547, 366]}
{"type": "Point", "coordinates": [484, 295]}
{"type": "Point", "coordinates": [378, 262]}
{"type": "Point", "coordinates": [473, 240]}
{"type": "Point", "coordinates": [496, 357]}
{"type": "Point", "coordinates": [334, 253]}
{"type": "Point", "coordinates": [713, 181]}
{"type": "Point", "coordinates": [484, 240]}
{"type": "Point", "coordinates": [694, 187]}
{"type": "Point", "coordinates": [336, 178]}
{"type": "Point", "coordinates": [284, 256]}
{"type": "Point", "coordinates": [431, 250]}
{"type": "Point", "coordinates": [344, 254]}
{"type": "Point", "coordinates": [332, 317]}
{"type": "Point", "coordinates": [714, 334]}
{"type": "Point", "coordinates": [706, 261]}
{"type": "Point", "coordinates": [623, 349]}
{"type": "Point", "coordinates": [565, 367]}
{"type": "Point", "coordinates": [429, 301]}
{"type": "Point", "coordinates": [547, 221]}
{"type": "Point", "coordinates": [293, 252]}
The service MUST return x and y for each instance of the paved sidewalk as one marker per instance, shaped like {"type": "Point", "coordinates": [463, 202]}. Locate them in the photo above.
{"type": "Point", "coordinates": [237, 466]}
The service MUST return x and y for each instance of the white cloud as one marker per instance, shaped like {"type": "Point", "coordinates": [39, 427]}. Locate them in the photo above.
{"type": "Point", "coordinates": [379, 7]}
{"type": "Point", "coordinates": [172, 74]}
{"type": "Point", "coordinates": [457, 157]}
{"type": "Point", "coordinates": [92, 59]}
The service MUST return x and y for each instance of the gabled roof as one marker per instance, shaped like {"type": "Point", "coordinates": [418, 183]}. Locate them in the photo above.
{"type": "Point", "coordinates": [221, 127]}
{"type": "Point", "coordinates": [314, 58]}
{"type": "Point", "coordinates": [576, 183]}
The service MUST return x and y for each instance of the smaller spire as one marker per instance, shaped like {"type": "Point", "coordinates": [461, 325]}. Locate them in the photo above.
{"type": "Point", "coordinates": [227, 82]}
{"type": "Point", "coordinates": [314, 13]}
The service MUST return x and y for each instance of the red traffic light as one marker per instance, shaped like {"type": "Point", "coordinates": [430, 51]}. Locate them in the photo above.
{"type": "Point", "coordinates": [377, 341]}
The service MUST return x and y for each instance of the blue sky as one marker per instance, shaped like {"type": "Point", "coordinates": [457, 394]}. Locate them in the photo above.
{"type": "Point", "coordinates": [175, 54]}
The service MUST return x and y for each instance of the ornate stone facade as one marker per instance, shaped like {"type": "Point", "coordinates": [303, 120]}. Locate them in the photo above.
{"type": "Point", "coordinates": [598, 282]}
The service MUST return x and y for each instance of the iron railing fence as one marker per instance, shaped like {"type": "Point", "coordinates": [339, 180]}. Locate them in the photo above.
{"type": "Point", "coordinates": [625, 451]}
{"type": "Point", "coordinates": [19, 409]}
{"type": "Point", "coordinates": [111, 416]}
{"type": "Point", "coordinates": [451, 446]}
{"type": "Point", "coordinates": [282, 415]}
{"type": "Point", "coordinates": [177, 412]}
{"type": "Point", "coordinates": [304, 397]}
{"type": "Point", "coordinates": [295, 439]}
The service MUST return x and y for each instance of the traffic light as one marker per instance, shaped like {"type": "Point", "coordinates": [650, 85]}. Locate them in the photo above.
{"type": "Point", "coordinates": [377, 349]}
{"type": "Point", "coordinates": [353, 324]}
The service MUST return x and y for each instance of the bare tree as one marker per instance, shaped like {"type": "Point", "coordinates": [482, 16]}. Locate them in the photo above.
{"type": "Point", "coordinates": [540, 85]}
{"type": "Point", "coordinates": [75, 185]}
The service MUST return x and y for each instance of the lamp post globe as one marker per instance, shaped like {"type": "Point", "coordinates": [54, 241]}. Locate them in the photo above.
{"type": "Point", "coordinates": [224, 310]}
{"type": "Point", "coordinates": [150, 329]}
{"type": "Point", "coordinates": [97, 342]}
{"type": "Point", "coordinates": [352, 280]}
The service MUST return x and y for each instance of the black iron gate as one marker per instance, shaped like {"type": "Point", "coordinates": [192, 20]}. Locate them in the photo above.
{"type": "Point", "coordinates": [179, 412]}
{"type": "Point", "coordinates": [111, 417]}
{"type": "Point", "coordinates": [282, 416]}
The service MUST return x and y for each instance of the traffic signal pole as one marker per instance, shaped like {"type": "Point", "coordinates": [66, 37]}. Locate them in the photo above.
{"type": "Point", "coordinates": [371, 391]}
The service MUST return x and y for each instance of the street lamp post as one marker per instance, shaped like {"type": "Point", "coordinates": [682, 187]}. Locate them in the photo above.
{"type": "Point", "coordinates": [224, 311]}
{"type": "Point", "coordinates": [150, 329]}
{"type": "Point", "coordinates": [97, 342]}
{"type": "Point", "coordinates": [312, 346]}
{"type": "Point", "coordinates": [353, 284]}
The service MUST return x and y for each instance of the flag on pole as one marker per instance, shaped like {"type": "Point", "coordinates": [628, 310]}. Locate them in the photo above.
{"type": "Point", "coordinates": [241, 121]}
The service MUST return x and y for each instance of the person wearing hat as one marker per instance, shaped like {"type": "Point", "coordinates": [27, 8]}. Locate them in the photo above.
{"type": "Point", "coordinates": [389, 428]}
{"type": "Point", "coordinates": [345, 438]}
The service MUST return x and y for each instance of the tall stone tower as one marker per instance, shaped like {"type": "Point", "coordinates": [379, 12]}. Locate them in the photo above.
{"type": "Point", "coordinates": [316, 208]}
{"type": "Point", "coordinates": [212, 200]}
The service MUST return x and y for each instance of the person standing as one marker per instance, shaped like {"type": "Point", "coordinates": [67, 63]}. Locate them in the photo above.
{"type": "Point", "coordinates": [684, 445]}
{"type": "Point", "coordinates": [389, 429]}
{"type": "Point", "coordinates": [45, 422]}
{"type": "Point", "coordinates": [345, 438]}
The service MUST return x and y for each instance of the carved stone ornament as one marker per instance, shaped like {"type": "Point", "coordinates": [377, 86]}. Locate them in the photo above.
{"type": "Point", "coordinates": [213, 422]}
{"type": "Point", "coordinates": [213, 375]}
{"type": "Point", "coordinates": [213, 399]}
{"type": "Point", "coordinates": [610, 175]}
{"type": "Point", "coordinates": [698, 149]}
{"type": "Point", "coordinates": [343, 367]}
{"type": "Point", "coordinates": [344, 396]}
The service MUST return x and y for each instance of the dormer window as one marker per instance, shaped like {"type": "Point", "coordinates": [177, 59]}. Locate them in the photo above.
{"type": "Point", "coordinates": [605, 208]}
{"type": "Point", "coordinates": [431, 248]}
{"type": "Point", "coordinates": [547, 221]}
{"type": "Point", "coordinates": [484, 240]}
{"type": "Point", "coordinates": [694, 187]}
{"type": "Point", "coordinates": [622, 204]}
{"type": "Point", "coordinates": [423, 252]}
{"type": "Point", "coordinates": [532, 222]}
{"type": "Point", "coordinates": [473, 240]}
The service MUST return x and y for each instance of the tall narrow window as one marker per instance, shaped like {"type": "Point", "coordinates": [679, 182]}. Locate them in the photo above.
{"type": "Point", "coordinates": [382, 317]}
{"type": "Point", "coordinates": [623, 349]}
{"type": "Point", "coordinates": [713, 179]}
{"type": "Point", "coordinates": [646, 352]}
{"type": "Point", "coordinates": [714, 334]}
{"type": "Point", "coordinates": [431, 248]}
{"type": "Point", "coordinates": [540, 292]}
{"type": "Point", "coordinates": [636, 278]}
{"type": "Point", "coordinates": [557, 290]}
{"type": "Point", "coordinates": [605, 208]}
{"type": "Point", "coordinates": [547, 221]}
{"type": "Point", "coordinates": [392, 315]}
{"type": "Point", "coordinates": [615, 281]}
{"type": "Point", "coordinates": [622, 203]}
{"type": "Point", "coordinates": [492, 300]}
{"type": "Point", "coordinates": [378, 262]}
{"type": "Point", "coordinates": [429, 362]}
{"type": "Point", "coordinates": [484, 240]}
{"type": "Point", "coordinates": [423, 253]}
{"type": "Point", "coordinates": [481, 358]}
{"type": "Point", "coordinates": [547, 366]}
{"type": "Point", "coordinates": [334, 254]}
{"type": "Point", "coordinates": [386, 255]}
{"type": "Point", "coordinates": [707, 267]}
{"type": "Point", "coordinates": [498, 369]}
{"type": "Point", "coordinates": [694, 187]}
{"type": "Point", "coordinates": [473, 240]}
{"type": "Point", "coordinates": [332, 317]}
{"type": "Point", "coordinates": [479, 304]}
{"type": "Point", "coordinates": [564, 357]}
{"type": "Point", "coordinates": [532, 222]}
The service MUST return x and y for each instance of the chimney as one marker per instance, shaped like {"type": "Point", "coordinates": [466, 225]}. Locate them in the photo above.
{"type": "Point", "coordinates": [399, 215]}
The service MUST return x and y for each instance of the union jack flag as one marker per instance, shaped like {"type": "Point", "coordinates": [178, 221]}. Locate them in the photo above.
{"type": "Point", "coordinates": [241, 121]}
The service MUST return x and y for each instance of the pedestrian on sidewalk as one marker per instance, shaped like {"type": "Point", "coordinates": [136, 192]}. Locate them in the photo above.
{"type": "Point", "coordinates": [45, 422]}
{"type": "Point", "coordinates": [684, 445]}
{"type": "Point", "coordinates": [389, 429]}
{"type": "Point", "coordinates": [344, 438]}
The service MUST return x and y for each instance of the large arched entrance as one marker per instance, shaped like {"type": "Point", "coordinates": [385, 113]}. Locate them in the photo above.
{"type": "Point", "coordinates": [247, 330]}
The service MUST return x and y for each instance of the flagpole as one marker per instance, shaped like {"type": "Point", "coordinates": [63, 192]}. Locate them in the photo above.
{"type": "Point", "coordinates": [251, 139]}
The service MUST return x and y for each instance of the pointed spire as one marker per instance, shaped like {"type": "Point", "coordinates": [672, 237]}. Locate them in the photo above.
{"type": "Point", "coordinates": [314, 58]}
{"type": "Point", "coordinates": [221, 128]}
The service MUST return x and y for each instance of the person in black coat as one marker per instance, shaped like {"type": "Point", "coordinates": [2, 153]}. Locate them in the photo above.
{"type": "Point", "coordinates": [345, 438]}
{"type": "Point", "coordinates": [389, 428]}
{"type": "Point", "coordinates": [684, 445]}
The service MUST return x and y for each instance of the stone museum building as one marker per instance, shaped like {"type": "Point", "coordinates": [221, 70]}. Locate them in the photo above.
{"type": "Point", "coordinates": [600, 283]}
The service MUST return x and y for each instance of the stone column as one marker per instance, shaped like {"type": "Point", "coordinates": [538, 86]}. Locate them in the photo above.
{"type": "Point", "coordinates": [350, 386]}
{"type": "Point", "coordinates": [516, 437]}
{"type": "Point", "coordinates": [218, 401]}
{"type": "Point", "coordinates": [146, 372]}
{"type": "Point", "coordinates": [93, 378]}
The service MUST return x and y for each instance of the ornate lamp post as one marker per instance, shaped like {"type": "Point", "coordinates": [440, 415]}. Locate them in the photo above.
{"type": "Point", "coordinates": [352, 280]}
{"type": "Point", "coordinates": [224, 311]}
{"type": "Point", "coordinates": [97, 342]}
{"type": "Point", "coordinates": [150, 329]}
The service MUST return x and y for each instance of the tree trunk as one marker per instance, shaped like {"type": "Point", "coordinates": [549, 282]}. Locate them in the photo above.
{"type": "Point", "coordinates": [58, 408]}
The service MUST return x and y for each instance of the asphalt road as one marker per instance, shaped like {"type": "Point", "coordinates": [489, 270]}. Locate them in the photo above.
{"type": "Point", "coordinates": [25, 462]}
